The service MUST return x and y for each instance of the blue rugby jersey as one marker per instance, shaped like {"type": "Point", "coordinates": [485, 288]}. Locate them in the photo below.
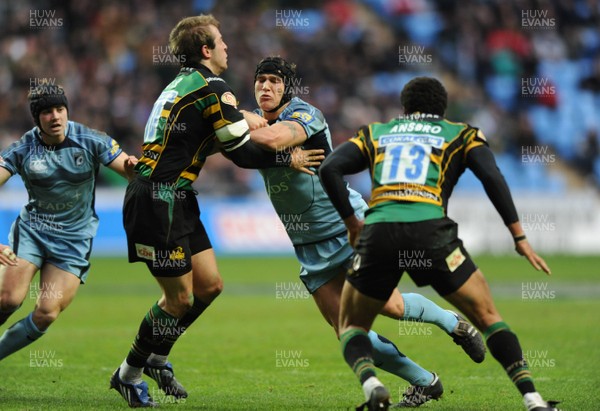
{"type": "Point", "coordinates": [298, 198]}
{"type": "Point", "coordinates": [61, 179]}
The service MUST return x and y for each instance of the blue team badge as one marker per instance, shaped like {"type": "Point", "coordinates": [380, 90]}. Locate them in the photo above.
{"type": "Point", "coordinates": [78, 157]}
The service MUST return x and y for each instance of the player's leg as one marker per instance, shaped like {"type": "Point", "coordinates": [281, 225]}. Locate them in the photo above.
{"type": "Point", "coordinates": [385, 353]}
{"type": "Point", "coordinates": [474, 299]}
{"type": "Point", "coordinates": [207, 285]}
{"type": "Point", "coordinates": [159, 324]}
{"type": "Point", "coordinates": [324, 266]}
{"type": "Point", "coordinates": [15, 280]}
{"type": "Point", "coordinates": [14, 286]}
{"type": "Point", "coordinates": [57, 289]}
{"type": "Point", "coordinates": [357, 313]}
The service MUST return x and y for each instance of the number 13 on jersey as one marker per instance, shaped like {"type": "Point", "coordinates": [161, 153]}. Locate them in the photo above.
{"type": "Point", "coordinates": [405, 163]}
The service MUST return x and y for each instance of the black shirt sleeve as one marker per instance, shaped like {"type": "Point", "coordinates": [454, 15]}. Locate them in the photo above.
{"type": "Point", "coordinates": [345, 159]}
{"type": "Point", "coordinates": [481, 161]}
{"type": "Point", "coordinates": [250, 155]}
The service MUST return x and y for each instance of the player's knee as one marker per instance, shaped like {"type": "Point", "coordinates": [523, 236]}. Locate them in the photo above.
{"type": "Point", "coordinates": [9, 301]}
{"type": "Point", "coordinates": [216, 287]}
{"type": "Point", "coordinates": [484, 316]}
{"type": "Point", "coordinates": [44, 317]}
{"type": "Point", "coordinates": [208, 292]}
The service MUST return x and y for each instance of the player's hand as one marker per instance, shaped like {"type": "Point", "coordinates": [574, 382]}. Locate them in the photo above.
{"type": "Point", "coordinates": [129, 164]}
{"type": "Point", "coordinates": [301, 159]}
{"type": "Point", "coordinates": [524, 248]}
{"type": "Point", "coordinates": [354, 226]}
{"type": "Point", "coordinates": [7, 256]}
{"type": "Point", "coordinates": [254, 120]}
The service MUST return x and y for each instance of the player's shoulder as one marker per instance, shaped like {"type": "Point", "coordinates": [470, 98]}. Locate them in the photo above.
{"type": "Point", "coordinates": [87, 137]}
{"type": "Point", "coordinates": [301, 110]}
{"type": "Point", "coordinates": [217, 85]}
{"type": "Point", "coordinates": [77, 130]}
{"type": "Point", "coordinates": [28, 139]}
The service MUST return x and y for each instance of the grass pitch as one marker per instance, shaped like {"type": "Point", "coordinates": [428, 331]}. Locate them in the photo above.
{"type": "Point", "coordinates": [264, 346]}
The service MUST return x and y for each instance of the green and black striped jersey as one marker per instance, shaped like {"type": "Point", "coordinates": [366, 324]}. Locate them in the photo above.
{"type": "Point", "coordinates": [415, 162]}
{"type": "Point", "coordinates": [195, 112]}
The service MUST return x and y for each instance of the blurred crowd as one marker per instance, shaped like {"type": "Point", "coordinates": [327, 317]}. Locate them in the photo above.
{"type": "Point", "coordinates": [526, 71]}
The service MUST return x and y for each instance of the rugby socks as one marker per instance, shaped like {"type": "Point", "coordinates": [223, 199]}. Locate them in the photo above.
{"type": "Point", "coordinates": [19, 335]}
{"type": "Point", "coordinates": [419, 308]}
{"type": "Point", "coordinates": [157, 334]}
{"type": "Point", "coordinates": [505, 348]}
{"type": "Point", "coordinates": [155, 327]}
{"type": "Point", "coordinates": [387, 357]}
{"type": "Point", "coordinates": [188, 318]}
{"type": "Point", "coordinates": [356, 348]}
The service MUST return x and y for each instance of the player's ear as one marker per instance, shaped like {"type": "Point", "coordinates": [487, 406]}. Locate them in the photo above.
{"type": "Point", "coordinates": [206, 52]}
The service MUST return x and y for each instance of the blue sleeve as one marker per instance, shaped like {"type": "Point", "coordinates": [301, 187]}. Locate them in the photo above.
{"type": "Point", "coordinates": [11, 158]}
{"type": "Point", "coordinates": [104, 147]}
{"type": "Point", "coordinates": [311, 119]}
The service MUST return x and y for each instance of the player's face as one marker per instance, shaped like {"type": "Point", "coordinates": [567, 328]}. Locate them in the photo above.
{"type": "Point", "coordinates": [53, 122]}
{"type": "Point", "coordinates": [268, 91]}
{"type": "Point", "coordinates": [218, 59]}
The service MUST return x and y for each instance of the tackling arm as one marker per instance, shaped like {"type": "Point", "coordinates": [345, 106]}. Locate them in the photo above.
{"type": "Point", "coordinates": [280, 135]}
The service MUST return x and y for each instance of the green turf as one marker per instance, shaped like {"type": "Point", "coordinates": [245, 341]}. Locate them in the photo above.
{"type": "Point", "coordinates": [229, 359]}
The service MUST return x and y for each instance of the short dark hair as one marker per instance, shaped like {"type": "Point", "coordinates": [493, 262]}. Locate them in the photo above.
{"type": "Point", "coordinates": [188, 37]}
{"type": "Point", "coordinates": [424, 95]}
{"type": "Point", "coordinates": [45, 96]}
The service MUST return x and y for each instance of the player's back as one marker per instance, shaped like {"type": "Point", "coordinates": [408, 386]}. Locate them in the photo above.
{"type": "Point", "coordinates": [180, 130]}
{"type": "Point", "coordinates": [416, 162]}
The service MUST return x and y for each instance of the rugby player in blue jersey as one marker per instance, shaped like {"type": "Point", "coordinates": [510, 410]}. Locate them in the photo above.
{"type": "Point", "coordinates": [320, 237]}
{"type": "Point", "coordinates": [58, 161]}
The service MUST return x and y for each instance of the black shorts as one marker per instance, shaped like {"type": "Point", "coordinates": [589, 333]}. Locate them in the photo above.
{"type": "Point", "coordinates": [163, 227]}
{"type": "Point", "coordinates": [429, 251]}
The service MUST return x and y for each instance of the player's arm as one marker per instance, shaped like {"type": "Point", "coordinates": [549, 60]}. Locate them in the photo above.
{"type": "Point", "coordinates": [481, 161]}
{"type": "Point", "coordinates": [279, 136]}
{"type": "Point", "coordinates": [124, 165]}
{"type": "Point", "coordinates": [345, 159]}
{"type": "Point", "coordinates": [238, 147]}
{"type": "Point", "coordinates": [254, 120]}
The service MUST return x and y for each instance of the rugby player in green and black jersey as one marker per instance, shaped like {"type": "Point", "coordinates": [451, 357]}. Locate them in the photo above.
{"type": "Point", "coordinates": [415, 162]}
{"type": "Point", "coordinates": [195, 116]}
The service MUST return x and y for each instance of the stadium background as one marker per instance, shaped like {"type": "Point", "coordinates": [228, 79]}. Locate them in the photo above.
{"type": "Point", "coordinates": [526, 72]}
